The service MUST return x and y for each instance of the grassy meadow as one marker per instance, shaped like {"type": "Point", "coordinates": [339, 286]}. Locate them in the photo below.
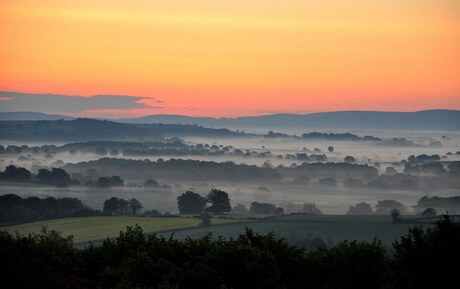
{"type": "Point", "coordinates": [334, 227]}
{"type": "Point", "coordinates": [87, 229]}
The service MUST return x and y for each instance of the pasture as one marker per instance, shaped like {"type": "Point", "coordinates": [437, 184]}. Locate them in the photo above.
{"type": "Point", "coordinates": [334, 227]}
{"type": "Point", "coordinates": [87, 229]}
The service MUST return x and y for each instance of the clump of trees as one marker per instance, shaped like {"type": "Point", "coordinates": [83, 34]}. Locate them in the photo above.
{"type": "Point", "coordinates": [360, 209]}
{"type": "Point", "coordinates": [193, 203]}
{"type": "Point", "coordinates": [54, 177]}
{"type": "Point", "coordinates": [311, 209]}
{"type": "Point", "coordinates": [250, 261]}
{"type": "Point", "coordinates": [264, 209]}
{"type": "Point", "coordinates": [385, 207]}
{"type": "Point", "coordinates": [15, 174]}
{"type": "Point", "coordinates": [119, 207]}
{"type": "Point", "coordinates": [14, 209]}
{"type": "Point", "coordinates": [113, 181]}
{"type": "Point", "coordinates": [442, 204]}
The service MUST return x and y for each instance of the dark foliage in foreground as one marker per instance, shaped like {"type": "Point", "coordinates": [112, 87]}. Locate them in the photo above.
{"type": "Point", "coordinates": [420, 259]}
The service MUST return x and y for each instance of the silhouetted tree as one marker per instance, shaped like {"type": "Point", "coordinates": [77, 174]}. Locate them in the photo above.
{"type": "Point", "coordinates": [190, 203]}
{"type": "Point", "coordinates": [239, 209]}
{"type": "Point", "coordinates": [423, 258]}
{"type": "Point", "coordinates": [15, 174]}
{"type": "Point", "coordinates": [395, 215]}
{"type": "Point", "coordinates": [113, 181]}
{"type": "Point", "coordinates": [134, 205]}
{"type": "Point", "coordinates": [220, 202]}
{"type": "Point", "coordinates": [384, 207]}
{"type": "Point", "coordinates": [429, 212]}
{"type": "Point", "coordinates": [360, 209]}
{"type": "Point", "coordinates": [349, 159]}
{"type": "Point", "coordinates": [151, 183]}
{"type": "Point", "coordinates": [115, 206]}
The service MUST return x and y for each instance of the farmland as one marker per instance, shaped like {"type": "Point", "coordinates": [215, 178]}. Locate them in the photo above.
{"type": "Point", "coordinates": [334, 227]}
{"type": "Point", "coordinates": [87, 229]}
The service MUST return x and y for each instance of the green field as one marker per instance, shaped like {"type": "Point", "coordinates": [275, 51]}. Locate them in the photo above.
{"type": "Point", "coordinates": [335, 227]}
{"type": "Point", "coordinates": [96, 228]}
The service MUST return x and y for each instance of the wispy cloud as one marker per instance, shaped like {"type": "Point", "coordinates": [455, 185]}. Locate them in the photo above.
{"type": "Point", "coordinates": [73, 104]}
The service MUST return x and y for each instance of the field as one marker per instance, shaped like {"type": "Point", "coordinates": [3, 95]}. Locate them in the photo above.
{"type": "Point", "coordinates": [96, 228]}
{"type": "Point", "coordinates": [334, 227]}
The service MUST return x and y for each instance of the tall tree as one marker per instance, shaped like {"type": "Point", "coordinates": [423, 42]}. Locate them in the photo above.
{"type": "Point", "coordinates": [220, 202]}
{"type": "Point", "coordinates": [134, 205]}
{"type": "Point", "coordinates": [111, 206]}
{"type": "Point", "coordinates": [190, 203]}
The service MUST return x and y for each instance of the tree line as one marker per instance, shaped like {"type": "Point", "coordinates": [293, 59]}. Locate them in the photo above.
{"type": "Point", "coordinates": [55, 177]}
{"type": "Point", "coordinates": [14, 209]}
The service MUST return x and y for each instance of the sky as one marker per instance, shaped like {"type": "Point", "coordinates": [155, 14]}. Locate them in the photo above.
{"type": "Point", "coordinates": [131, 58]}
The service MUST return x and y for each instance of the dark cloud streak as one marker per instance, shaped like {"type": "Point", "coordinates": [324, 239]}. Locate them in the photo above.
{"type": "Point", "coordinates": [15, 101]}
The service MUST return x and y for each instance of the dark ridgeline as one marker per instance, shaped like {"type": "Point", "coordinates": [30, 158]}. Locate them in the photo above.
{"type": "Point", "coordinates": [92, 129]}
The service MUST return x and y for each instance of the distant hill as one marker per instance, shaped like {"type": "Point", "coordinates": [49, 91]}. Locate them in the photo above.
{"type": "Point", "coordinates": [84, 129]}
{"type": "Point", "coordinates": [420, 120]}
{"type": "Point", "coordinates": [30, 115]}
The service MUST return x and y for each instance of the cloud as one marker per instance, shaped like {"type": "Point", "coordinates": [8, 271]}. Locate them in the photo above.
{"type": "Point", "coordinates": [53, 103]}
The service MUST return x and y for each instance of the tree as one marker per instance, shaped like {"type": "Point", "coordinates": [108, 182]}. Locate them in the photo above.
{"type": "Point", "coordinates": [56, 176]}
{"type": "Point", "coordinates": [134, 205]}
{"type": "Point", "coordinates": [240, 209]}
{"type": "Point", "coordinates": [111, 206]}
{"type": "Point", "coordinates": [360, 209]}
{"type": "Point", "coordinates": [395, 215]}
{"type": "Point", "coordinates": [15, 174]}
{"type": "Point", "coordinates": [330, 149]}
{"type": "Point", "coordinates": [102, 182]}
{"type": "Point", "coordinates": [264, 208]}
{"type": "Point", "coordinates": [429, 212]}
{"type": "Point", "coordinates": [384, 207]}
{"type": "Point", "coordinates": [190, 203]}
{"type": "Point", "coordinates": [220, 202]}
{"type": "Point", "coordinates": [44, 176]}
{"type": "Point", "coordinates": [349, 159]}
{"type": "Point", "coordinates": [311, 208]}
{"type": "Point", "coordinates": [60, 177]}
{"type": "Point", "coordinates": [113, 181]}
{"type": "Point", "coordinates": [151, 183]}
{"type": "Point", "coordinates": [421, 257]}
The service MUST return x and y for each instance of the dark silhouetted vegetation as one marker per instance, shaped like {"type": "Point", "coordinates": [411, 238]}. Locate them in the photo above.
{"type": "Point", "coordinates": [14, 209]}
{"type": "Point", "coordinates": [134, 260]}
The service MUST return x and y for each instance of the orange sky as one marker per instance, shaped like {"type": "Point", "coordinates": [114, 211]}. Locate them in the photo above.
{"type": "Point", "coordinates": [239, 57]}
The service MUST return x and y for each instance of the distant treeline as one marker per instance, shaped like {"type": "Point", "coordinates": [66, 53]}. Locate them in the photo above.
{"type": "Point", "coordinates": [419, 259]}
{"type": "Point", "coordinates": [354, 176]}
{"type": "Point", "coordinates": [434, 204]}
{"type": "Point", "coordinates": [339, 136]}
{"type": "Point", "coordinates": [92, 129]}
{"type": "Point", "coordinates": [55, 177]}
{"type": "Point", "coordinates": [229, 171]}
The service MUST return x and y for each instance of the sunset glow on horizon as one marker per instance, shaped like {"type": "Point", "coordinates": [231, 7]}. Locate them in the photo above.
{"type": "Point", "coordinates": [235, 58]}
